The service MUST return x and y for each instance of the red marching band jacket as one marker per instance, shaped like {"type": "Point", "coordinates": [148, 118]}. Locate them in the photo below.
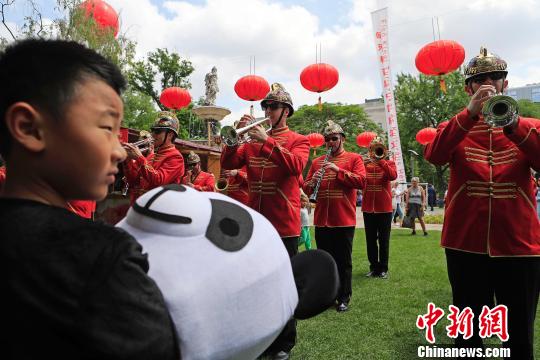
{"type": "Point", "coordinates": [377, 194]}
{"type": "Point", "coordinates": [490, 207]}
{"type": "Point", "coordinates": [336, 197]}
{"type": "Point", "coordinates": [203, 182]}
{"type": "Point", "coordinates": [238, 187]}
{"type": "Point", "coordinates": [273, 172]}
{"type": "Point", "coordinates": [166, 166]}
{"type": "Point", "coordinates": [83, 208]}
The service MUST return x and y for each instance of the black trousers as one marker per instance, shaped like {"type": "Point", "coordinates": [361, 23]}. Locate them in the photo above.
{"type": "Point", "coordinates": [478, 280]}
{"type": "Point", "coordinates": [338, 242]}
{"type": "Point", "coordinates": [287, 338]}
{"type": "Point", "coordinates": [378, 226]}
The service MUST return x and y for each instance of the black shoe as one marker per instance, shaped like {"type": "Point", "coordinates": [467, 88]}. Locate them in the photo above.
{"type": "Point", "coordinates": [413, 233]}
{"type": "Point", "coordinates": [372, 274]}
{"type": "Point", "coordinates": [425, 233]}
{"type": "Point", "coordinates": [383, 275]}
{"type": "Point", "coordinates": [282, 355]}
{"type": "Point", "coordinates": [342, 307]}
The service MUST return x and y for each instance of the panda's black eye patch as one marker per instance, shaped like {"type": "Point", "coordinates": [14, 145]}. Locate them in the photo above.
{"type": "Point", "coordinates": [230, 227]}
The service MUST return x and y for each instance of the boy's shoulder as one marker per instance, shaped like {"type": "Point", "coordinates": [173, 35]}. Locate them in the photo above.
{"type": "Point", "coordinates": [30, 223]}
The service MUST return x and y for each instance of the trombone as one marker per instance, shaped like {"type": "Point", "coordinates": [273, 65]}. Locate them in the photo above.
{"type": "Point", "coordinates": [233, 137]}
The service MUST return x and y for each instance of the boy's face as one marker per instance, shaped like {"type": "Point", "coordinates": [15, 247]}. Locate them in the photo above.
{"type": "Point", "coordinates": [83, 150]}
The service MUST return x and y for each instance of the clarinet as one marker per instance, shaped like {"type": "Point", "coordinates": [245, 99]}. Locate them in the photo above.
{"type": "Point", "coordinates": [313, 197]}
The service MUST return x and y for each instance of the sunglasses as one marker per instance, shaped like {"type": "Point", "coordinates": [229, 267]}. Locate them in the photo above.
{"type": "Point", "coordinates": [333, 138]}
{"type": "Point", "coordinates": [271, 106]}
{"type": "Point", "coordinates": [482, 78]}
{"type": "Point", "coordinates": [157, 131]}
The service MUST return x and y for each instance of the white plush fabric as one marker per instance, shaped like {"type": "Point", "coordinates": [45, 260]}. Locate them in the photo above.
{"type": "Point", "coordinates": [225, 304]}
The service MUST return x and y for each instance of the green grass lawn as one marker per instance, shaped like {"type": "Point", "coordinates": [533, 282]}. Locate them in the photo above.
{"type": "Point", "coordinates": [380, 323]}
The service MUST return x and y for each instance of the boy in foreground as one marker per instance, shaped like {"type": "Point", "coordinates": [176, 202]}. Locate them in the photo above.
{"type": "Point", "coordinates": [74, 289]}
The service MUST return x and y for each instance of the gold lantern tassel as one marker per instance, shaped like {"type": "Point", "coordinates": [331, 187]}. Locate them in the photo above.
{"type": "Point", "coordinates": [320, 104]}
{"type": "Point", "coordinates": [442, 84]}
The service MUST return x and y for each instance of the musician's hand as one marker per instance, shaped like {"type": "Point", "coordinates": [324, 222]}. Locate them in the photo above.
{"type": "Point", "coordinates": [132, 151]}
{"type": "Point", "coordinates": [245, 120]}
{"type": "Point", "coordinates": [258, 133]}
{"type": "Point", "coordinates": [228, 173]}
{"type": "Point", "coordinates": [331, 166]}
{"type": "Point", "coordinates": [481, 95]}
{"type": "Point", "coordinates": [317, 175]}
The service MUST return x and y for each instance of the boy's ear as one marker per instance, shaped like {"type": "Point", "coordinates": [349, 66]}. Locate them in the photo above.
{"type": "Point", "coordinates": [25, 125]}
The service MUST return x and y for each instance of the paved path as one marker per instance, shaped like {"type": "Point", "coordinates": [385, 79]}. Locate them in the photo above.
{"type": "Point", "coordinates": [360, 220]}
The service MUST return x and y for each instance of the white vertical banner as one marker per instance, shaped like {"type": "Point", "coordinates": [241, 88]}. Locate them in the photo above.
{"type": "Point", "coordinates": [380, 29]}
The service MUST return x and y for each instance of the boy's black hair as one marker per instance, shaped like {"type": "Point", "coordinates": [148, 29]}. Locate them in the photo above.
{"type": "Point", "coordinates": [45, 74]}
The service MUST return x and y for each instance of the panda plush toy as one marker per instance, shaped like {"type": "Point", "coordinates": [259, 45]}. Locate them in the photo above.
{"type": "Point", "coordinates": [224, 272]}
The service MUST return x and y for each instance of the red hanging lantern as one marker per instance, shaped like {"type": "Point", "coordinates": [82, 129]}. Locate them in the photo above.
{"type": "Point", "coordinates": [426, 135]}
{"type": "Point", "coordinates": [365, 138]}
{"type": "Point", "coordinates": [104, 14]}
{"type": "Point", "coordinates": [315, 140]}
{"type": "Point", "coordinates": [439, 58]}
{"type": "Point", "coordinates": [251, 88]}
{"type": "Point", "coordinates": [318, 78]}
{"type": "Point", "coordinates": [175, 98]}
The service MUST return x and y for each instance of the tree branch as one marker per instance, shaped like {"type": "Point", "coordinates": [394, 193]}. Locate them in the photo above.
{"type": "Point", "coordinates": [2, 11]}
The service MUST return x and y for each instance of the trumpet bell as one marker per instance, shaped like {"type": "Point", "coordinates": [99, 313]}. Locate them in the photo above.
{"type": "Point", "coordinates": [500, 111]}
{"type": "Point", "coordinates": [232, 136]}
{"type": "Point", "coordinates": [229, 135]}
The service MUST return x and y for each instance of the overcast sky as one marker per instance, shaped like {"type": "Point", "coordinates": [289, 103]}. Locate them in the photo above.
{"type": "Point", "coordinates": [282, 35]}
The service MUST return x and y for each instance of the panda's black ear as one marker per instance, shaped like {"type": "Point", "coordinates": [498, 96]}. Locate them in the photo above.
{"type": "Point", "coordinates": [230, 227]}
{"type": "Point", "coordinates": [317, 281]}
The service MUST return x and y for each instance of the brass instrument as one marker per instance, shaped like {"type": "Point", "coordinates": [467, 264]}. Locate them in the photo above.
{"type": "Point", "coordinates": [500, 111]}
{"type": "Point", "coordinates": [221, 184]}
{"type": "Point", "coordinates": [378, 151]}
{"type": "Point", "coordinates": [233, 137]}
{"type": "Point", "coordinates": [313, 196]}
{"type": "Point", "coordinates": [144, 144]}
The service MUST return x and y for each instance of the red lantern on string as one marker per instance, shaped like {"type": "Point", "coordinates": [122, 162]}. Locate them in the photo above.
{"type": "Point", "coordinates": [175, 98]}
{"type": "Point", "coordinates": [318, 78]}
{"type": "Point", "coordinates": [251, 88]}
{"type": "Point", "coordinates": [426, 135]}
{"type": "Point", "coordinates": [315, 140]}
{"type": "Point", "coordinates": [365, 138]}
{"type": "Point", "coordinates": [439, 58]}
{"type": "Point", "coordinates": [104, 14]}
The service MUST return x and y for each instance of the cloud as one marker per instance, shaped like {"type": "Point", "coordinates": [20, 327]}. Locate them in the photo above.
{"type": "Point", "coordinates": [225, 33]}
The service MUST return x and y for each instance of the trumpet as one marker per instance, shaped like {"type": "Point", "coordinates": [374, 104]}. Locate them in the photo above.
{"type": "Point", "coordinates": [378, 151]}
{"type": "Point", "coordinates": [500, 111]}
{"type": "Point", "coordinates": [143, 144]}
{"type": "Point", "coordinates": [233, 137]}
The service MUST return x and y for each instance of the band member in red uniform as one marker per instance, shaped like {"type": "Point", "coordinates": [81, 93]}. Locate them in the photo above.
{"type": "Point", "coordinates": [335, 213]}
{"type": "Point", "coordinates": [167, 164]}
{"type": "Point", "coordinates": [491, 232]}
{"type": "Point", "coordinates": [236, 184]}
{"type": "Point", "coordinates": [377, 208]}
{"type": "Point", "coordinates": [274, 164]}
{"type": "Point", "coordinates": [131, 176]}
{"type": "Point", "coordinates": [195, 177]}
